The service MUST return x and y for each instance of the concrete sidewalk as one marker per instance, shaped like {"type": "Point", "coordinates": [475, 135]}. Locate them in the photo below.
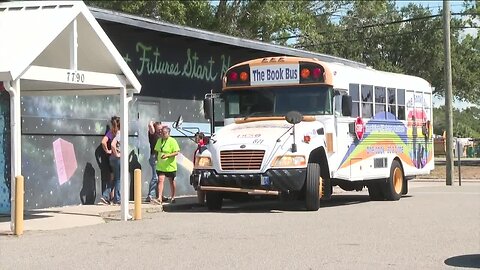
{"type": "Point", "coordinates": [84, 215]}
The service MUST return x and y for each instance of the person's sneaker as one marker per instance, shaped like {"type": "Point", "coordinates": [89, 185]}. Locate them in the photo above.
{"type": "Point", "coordinates": [103, 201]}
{"type": "Point", "coordinates": [114, 203]}
{"type": "Point", "coordinates": [148, 199]}
{"type": "Point", "coordinates": [164, 199]}
{"type": "Point", "coordinates": [172, 200]}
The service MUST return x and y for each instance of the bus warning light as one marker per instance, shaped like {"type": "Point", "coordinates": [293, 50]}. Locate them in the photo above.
{"type": "Point", "coordinates": [316, 73]}
{"type": "Point", "coordinates": [233, 76]}
{"type": "Point", "coordinates": [243, 76]}
{"type": "Point", "coordinates": [305, 73]}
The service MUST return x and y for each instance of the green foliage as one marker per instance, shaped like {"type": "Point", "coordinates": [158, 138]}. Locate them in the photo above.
{"type": "Point", "coordinates": [407, 40]}
{"type": "Point", "coordinates": [191, 13]}
{"type": "Point", "coordinates": [466, 123]}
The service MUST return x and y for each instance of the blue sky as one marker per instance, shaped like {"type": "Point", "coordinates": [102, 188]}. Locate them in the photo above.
{"type": "Point", "coordinates": [455, 6]}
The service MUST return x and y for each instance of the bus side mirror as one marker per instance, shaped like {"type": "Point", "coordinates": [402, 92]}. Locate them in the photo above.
{"type": "Point", "coordinates": [346, 105]}
{"type": "Point", "coordinates": [294, 117]}
{"type": "Point", "coordinates": [177, 124]}
{"type": "Point", "coordinates": [208, 108]}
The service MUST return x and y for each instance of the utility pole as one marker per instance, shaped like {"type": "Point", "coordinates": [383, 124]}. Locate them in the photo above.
{"type": "Point", "coordinates": [448, 92]}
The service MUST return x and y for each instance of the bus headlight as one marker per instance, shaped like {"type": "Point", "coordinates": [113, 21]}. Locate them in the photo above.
{"type": "Point", "coordinates": [289, 161]}
{"type": "Point", "coordinates": [203, 162]}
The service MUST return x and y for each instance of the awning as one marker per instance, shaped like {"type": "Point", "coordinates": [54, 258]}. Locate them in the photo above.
{"type": "Point", "coordinates": [58, 48]}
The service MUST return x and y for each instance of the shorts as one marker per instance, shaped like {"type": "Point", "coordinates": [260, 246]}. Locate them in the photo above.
{"type": "Point", "coordinates": [168, 174]}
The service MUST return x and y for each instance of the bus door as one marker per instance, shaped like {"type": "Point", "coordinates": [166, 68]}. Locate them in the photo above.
{"type": "Point", "coordinates": [344, 125]}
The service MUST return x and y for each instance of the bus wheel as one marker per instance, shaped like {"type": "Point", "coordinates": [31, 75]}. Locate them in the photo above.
{"type": "Point", "coordinates": [394, 186]}
{"type": "Point", "coordinates": [375, 192]}
{"type": "Point", "coordinates": [313, 188]}
{"type": "Point", "coordinates": [405, 187]}
{"type": "Point", "coordinates": [201, 197]}
{"type": "Point", "coordinates": [214, 200]}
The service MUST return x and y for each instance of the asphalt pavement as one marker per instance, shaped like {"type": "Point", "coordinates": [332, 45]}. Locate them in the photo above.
{"type": "Point", "coordinates": [57, 218]}
{"type": "Point", "coordinates": [434, 226]}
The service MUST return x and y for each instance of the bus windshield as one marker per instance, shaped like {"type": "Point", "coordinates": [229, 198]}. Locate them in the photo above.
{"type": "Point", "coordinates": [278, 101]}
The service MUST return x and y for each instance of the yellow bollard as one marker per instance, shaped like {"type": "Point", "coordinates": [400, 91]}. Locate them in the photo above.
{"type": "Point", "coordinates": [137, 215]}
{"type": "Point", "coordinates": [18, 205]}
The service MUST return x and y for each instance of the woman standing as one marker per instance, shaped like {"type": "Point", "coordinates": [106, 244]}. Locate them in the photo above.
{"type": "Point", "coordinates": [167, 149]}
{"type": "Point", "coordinates": [107, 140]}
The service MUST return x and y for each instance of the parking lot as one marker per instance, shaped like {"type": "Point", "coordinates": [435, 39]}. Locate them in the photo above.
{"type": "Point", "coordinates": [434, 226]}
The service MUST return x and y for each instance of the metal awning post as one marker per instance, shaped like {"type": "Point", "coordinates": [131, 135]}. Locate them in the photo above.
{"type": "Point", "coordinates": [73, 46]}
{"type": "Point", "coordinates": [15, 142]}
{"type": "Point", "coordinates": [124, 177]}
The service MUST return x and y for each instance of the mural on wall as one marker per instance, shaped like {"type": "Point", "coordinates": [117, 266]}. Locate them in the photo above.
{"type": "Point", "coordinates": [52, 128]}
{"type": "Point", "coordinates": [170, 66]}
{"type": "Point", "coordinates": [4, 152]}
{"type": "Point", "coordinates": [62, 160]}
{"type": "Point", "coordinates": [65, 160]}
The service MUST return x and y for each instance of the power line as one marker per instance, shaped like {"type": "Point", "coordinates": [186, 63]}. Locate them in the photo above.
{"type": "Point", "coordinates": [378, 24]}
{"type": "Point", "coordinates": [380, 36]}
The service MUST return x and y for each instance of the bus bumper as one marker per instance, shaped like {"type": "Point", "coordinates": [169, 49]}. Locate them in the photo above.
{"type": "Point", "coordinates": [275, 179]}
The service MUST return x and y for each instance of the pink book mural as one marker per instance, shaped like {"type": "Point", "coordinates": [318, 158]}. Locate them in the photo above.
{"type": "Point", "coordinates": [65, 160]}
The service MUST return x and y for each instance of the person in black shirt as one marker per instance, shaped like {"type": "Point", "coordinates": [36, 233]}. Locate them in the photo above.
{"type": "Point", "coordinates": [154, 133]}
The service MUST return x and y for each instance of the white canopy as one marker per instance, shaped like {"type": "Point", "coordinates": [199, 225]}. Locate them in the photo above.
{"type": "Point", "coordinates": [62, 36]}
{"type": "Point", "coordinates": [58, 48]}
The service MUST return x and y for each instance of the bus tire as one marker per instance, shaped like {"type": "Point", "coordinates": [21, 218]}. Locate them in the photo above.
{"type": "Point", "coordinates": [375, 192]}
{"type": "Point", "coordinates": [312, 187]}
{"type": "Point", "coordinates": [214, 200]}
{"type": "Point", "coordinates": [200, 197]}
{"type": "Point", "coordinates": [394, 185]}
{"type": "Point", "coordinates": [405, 187]}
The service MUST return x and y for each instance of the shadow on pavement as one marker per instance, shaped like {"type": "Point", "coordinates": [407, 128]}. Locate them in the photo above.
{"type": "Point", "coordinates": [38, 214]}
{"type": "Point", "coordinates": [467, 261]}
{"type": "Point", "coordinates": [262, 205]}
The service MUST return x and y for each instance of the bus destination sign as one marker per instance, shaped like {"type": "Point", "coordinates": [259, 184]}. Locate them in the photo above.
{"type": "Point", "coordinates": [277, 74]}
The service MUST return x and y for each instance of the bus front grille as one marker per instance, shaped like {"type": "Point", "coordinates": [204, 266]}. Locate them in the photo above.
{"type": "Point", "coordinates": [241, 159]}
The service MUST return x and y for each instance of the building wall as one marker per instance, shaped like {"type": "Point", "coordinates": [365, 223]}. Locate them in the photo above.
{"type": "Point", "coordinates": [62, 160]}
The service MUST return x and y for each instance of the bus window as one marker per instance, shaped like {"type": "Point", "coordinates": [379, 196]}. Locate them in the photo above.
{"type": "Point", "coordinates": [367, 101]}
{"type": "Point", "coordinates": [428, 102]}
{"type": "Point", "coordinates": [392, 104]}
{"type": "Point", "coordinates": [278, 101]}
{"type": "Point", "coordinates": [219, 105]}
{"type": "Point", "coordinates": [337, 101]}
{"type": "Point", "coordinates": [327, 102]}
{"type": "Point", "coordinates": [234, 106]}
{"type": "Point", "coordinates": [353, 90]}
{"type": "Point", "coordinates": [380, 100]}
{"type": "Point", "coordinates": [401, 104]}
{"type": "Point", "coordinates": [306, 101]}
{"type": "Point", "coordinates": [410, 103]}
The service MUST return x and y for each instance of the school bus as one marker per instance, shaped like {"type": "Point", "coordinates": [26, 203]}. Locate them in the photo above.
{"type": "Point", "coordinates": [297, 127]}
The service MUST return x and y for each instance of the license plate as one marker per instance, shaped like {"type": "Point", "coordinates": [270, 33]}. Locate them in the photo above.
{"type": "Point", "coordinates": [265, 180]}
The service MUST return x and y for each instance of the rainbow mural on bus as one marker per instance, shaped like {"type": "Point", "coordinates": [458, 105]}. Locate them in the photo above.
{"type": "Point", "coordinates": [385, 134]}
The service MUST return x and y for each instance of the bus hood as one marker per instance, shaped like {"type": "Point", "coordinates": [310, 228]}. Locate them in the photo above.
{"type": "Point", "coordinates": [265, 135]}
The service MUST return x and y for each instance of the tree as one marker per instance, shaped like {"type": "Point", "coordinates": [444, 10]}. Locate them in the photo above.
{"type": "Point", "coordinates": [407, 40]}
{"type": "Point", "coordinates": [462, 127]}
{"type": "Point", "coordinates": [193, 13]}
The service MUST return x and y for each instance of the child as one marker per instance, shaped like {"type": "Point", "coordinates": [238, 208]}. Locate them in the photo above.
{"type": "Point", "coordinates": [201, 142]}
